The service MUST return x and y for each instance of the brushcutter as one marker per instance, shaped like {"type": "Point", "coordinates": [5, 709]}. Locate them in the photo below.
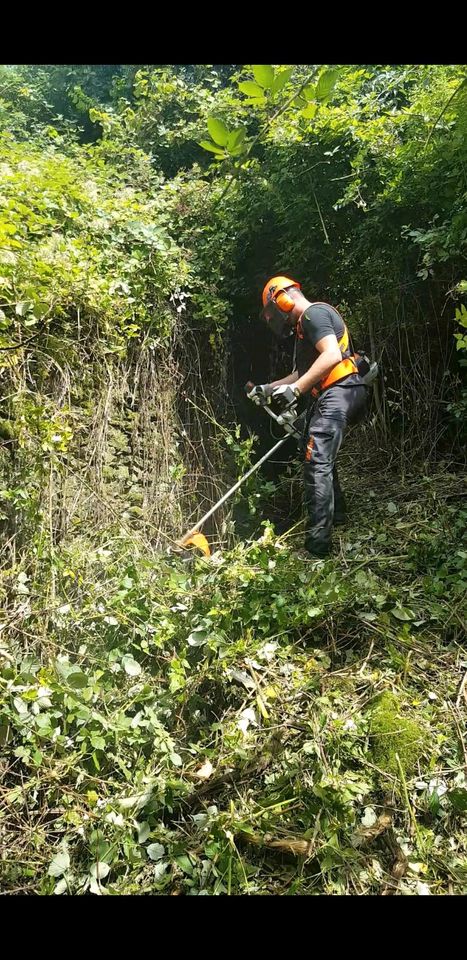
{"type": "Point", "coordinates": [292, 425]}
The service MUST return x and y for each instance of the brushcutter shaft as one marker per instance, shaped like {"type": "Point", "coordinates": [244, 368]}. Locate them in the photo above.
{"type": "Point", "coordinates": [233, 489]}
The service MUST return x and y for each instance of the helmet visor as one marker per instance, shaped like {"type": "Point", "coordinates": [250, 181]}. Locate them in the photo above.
{"type": "Point", "coordinates": [277, 320]}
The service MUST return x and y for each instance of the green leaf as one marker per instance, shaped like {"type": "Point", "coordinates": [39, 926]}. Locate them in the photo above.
{"type": "Point", "coordinates": [251, 89]}
{"type": "Point", "coordinates": [255, 101]}
{"type": "Point", "coordinates": [281, 79]}
{"type": "Point", "coordinates": [59, 865]}
{"type": "Point", "coordinates": [236, 138]}
{"type": "Point", "coordinates": [185, 864]}
{"type": "Point", "coordinates": [159, 870]}
{"type": "Point", "coordinates": [197, 637]}
{"type": "Point", "coordinates": [314, 611]}
{"type": "Point", "coordinates": [101, 850]}
{"type": "Point", "coordinates": [23, 308]}
{"type": "Point", "coordinates": [309, 111]}
{"type": "Point", "coordinates": [97, 742]}
{"type": "Point", "coordinates": [218, 131]}
{"type": "Point", "coordinates": [155, 851]}
{"type": "Point", "coordinates": [402, 613]}
{"type": "Point", "coordinates": [99, 870]}
{"type": "Point", "coordinates": [264, 75]}
{"type": "Point", "coordinates": [143, 831]}
{"type": "Point", "coordinates": [309, 91]}
{"type": "Point", "coordinates": [458, 799]}
{"type": "Point", "coordinates": [131, 666]}
{"type": "Point", "coordinates": [20, 705]}
{"type": "Point", "coordinates": [326, 83]}
{"type": "Point", "coordinates": [61, 887]}
{"type": "Point", "coordinates": [207, 145]}
{"type": "Point", "coordinates": [77, 679]}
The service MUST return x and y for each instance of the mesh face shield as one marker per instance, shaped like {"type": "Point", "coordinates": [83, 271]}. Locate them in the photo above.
{"type": "Point", "coordinates": [277, 320]}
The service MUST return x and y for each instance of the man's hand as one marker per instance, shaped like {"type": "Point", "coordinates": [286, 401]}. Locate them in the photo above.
{"type": "Point", "coordinates": [285, 395]}
{"type": "Point", "coordinates": [261, 393]}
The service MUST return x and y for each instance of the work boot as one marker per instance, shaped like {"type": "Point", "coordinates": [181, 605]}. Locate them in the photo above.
{"type": "Point", "coordinates": [309, 555]}
{"type": "Point", "coordinates": [318, 549]}
{"type": "Point", "coordinates": [340, 519]}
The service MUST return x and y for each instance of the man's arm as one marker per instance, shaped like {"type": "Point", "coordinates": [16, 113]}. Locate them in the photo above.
{"type": "Point", "coordinates": [329, 356]}
{"type": "Point", "coordinates": [291, 378]}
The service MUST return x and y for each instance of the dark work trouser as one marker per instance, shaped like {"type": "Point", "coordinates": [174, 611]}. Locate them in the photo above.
{"type": "Point", "coordinates": [336, 409]}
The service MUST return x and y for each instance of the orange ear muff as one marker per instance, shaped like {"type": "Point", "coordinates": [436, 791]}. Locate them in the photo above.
{"type": "Point", "coordinates": [284, 301]}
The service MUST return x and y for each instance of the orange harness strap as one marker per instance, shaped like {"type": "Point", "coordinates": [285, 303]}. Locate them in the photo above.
{"type": "Point", "coordinates": [343, 369]}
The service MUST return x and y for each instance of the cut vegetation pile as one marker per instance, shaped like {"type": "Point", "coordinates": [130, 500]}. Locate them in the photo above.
{"type": "Point", "coordinates": [251, 723]}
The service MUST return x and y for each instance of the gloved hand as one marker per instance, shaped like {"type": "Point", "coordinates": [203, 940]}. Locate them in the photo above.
{"type": "Point", "coordinates": [261, 393]}
{"type": "Point", "coordinates": [285, 395]}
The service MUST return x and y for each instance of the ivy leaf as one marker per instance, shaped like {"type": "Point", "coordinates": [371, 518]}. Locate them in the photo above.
{"type": "Point", "coordinates": [264, 75]}
{"type": "Point", "coordinates": [402, 613]}
{"type": "Point", "coordinates": [155, 851]}
{"type": "Point", "coordinates": [61, 887]}
{"type": "Point", "coordinates": [281, 79]}
{"type": "Point", "coordinates": [218, 131]}
{"type": "Point", "coordinates": [143, 831]}
{"type": "Point", "coordinates": [185, 864]}
{"type": "Point", "coordinates": [326, 83]}
{"type": "Point", "coordinates": [77, 679]}
{"type": "Point", "coordinates": [20, 705]}
{"type": "Point", "coordinates": [207, 145]}
{"type": "Point", "coordinates": [309, 111]}
{"type": "Point", "coordinates": [159, 870]}
{"type": "Point", "coordinates": [59, 865]}
{"type": "Point", "coordinates": [251, 89]}
{"type": "Point", "coordinates": [131, 666]}
{"type": "Point", "coordinates": [314, 611]}
{"type": "Point", "coordinates": [99, 870]}
{"type": "Point", "coordinates": [23, 308]}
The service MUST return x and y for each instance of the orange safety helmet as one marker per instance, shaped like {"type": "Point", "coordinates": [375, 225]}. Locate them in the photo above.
{"type": "Point", "coordinates": [275, 288]}
{"type": "Point", "coordinates": [277, 306]}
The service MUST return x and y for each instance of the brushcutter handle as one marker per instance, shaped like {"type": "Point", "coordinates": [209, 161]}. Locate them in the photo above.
{"type": "Point", "coordinates": [259, 393]}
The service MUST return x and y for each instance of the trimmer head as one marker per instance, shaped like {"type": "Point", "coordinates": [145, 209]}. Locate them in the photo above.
{"type": "Point", "coordinates": [197, 540]}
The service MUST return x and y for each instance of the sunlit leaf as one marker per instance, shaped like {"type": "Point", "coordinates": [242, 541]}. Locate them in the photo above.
{"type": "Point", "coordinates": [326, 83]}
{"type": "Point", "coordinates": [309, 92]}
{"type": "Point", "coordinates": [207, 145]}
{"type": "Point", "coordinates": [131, 666]}
{"type": "Point", "coordinates": [250, 88]}
{"type": "Point", "coordinates": [264, 75]}
{"type": "Point", "coordinates": [155, 851]}
{"type": "Point", "coordinates": [281, 79]}
{"type": "Point", "coordinates": [59, 865]}
{"type": "Point", "coordinates": [309, 111]}
{"type": "Point", "coordinates": [218, 131]}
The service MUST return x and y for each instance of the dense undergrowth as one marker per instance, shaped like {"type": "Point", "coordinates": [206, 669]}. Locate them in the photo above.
{"type": "Point", "coordinates": [254, 723]}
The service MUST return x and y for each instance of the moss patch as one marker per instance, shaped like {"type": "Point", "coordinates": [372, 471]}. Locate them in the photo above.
{"type": "Point", "coordinates": [393, 733]}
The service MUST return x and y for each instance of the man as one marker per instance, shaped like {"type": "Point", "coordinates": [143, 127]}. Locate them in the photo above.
{"type": "Point", "coordinates": [324, 367]}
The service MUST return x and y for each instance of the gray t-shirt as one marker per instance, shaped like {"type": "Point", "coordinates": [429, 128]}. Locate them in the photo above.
{"type": "Point", "coordinates": [318, 321]}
